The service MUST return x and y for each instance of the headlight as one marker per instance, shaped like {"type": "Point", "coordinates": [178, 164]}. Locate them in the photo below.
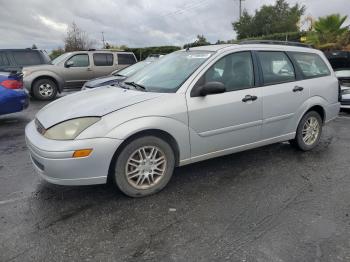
{"type": "Point", "coordinates": [26, 73]}
{"type": "Point", "coordinates": [70, 129]}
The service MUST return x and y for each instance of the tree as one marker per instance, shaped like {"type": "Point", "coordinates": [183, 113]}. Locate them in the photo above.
{"type": "Point", "coordinates": [34, 46]}
{"type": "Point", "coordinates": [329, 32]}
{"type": "Point", "coordinates": [278, 18]}
{"type": "Point", "coordinates": [56, 53]}
{"type": "Point", "coordinates": [201, 40]}
{"type": "Point", "coordinates": [77, 39]}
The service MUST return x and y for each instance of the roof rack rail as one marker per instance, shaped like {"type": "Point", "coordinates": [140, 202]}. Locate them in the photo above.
{"type": "Point", "coordinates": [274, 42]}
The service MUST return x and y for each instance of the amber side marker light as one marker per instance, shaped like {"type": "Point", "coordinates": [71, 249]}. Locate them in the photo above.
{"type": "Point", "coordinates": [82, 153]}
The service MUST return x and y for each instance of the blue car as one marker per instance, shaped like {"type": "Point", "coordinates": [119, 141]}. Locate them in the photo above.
{"type": "Point", "coordinates": [13, 97]}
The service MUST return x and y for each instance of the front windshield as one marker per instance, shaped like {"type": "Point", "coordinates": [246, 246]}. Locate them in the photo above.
{"type": "Point", "coordinates": [59, 59]}
{"type": "Point", "coordinates": [167, 74]}
{"type": "Point", "coordinates": [130, 70]}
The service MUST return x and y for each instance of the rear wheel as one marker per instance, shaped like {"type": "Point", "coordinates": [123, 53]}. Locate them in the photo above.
{"type": "Point", "coordinates": [309, 132]}
{"type": "Point", "coordinates": [44, 89]}
{"type": "Point", "coordinates": [144, 166]}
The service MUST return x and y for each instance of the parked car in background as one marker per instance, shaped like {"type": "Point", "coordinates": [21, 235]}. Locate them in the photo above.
{"type": "Point", "coordinates": [18, 58]}
{"type": "Point", "coordinates": [190, 106]}
{"type": "Point", "coordinates": [13, 98]}
{"type": "Point", "coordinates": [117, 76]}
{"type": "Point", "coordinates": [72, 70]}
{"type": "Point", "coordinates": [340, 61]}
{"type": "Point", "coordinates": [154, 56]}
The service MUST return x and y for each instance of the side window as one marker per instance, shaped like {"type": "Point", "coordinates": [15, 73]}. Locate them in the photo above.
{"type": "Point", "coordinates": [235, 71]}
{"type": "Point", "coordinates": [81, 60]}
{"type": "Point", "coordinates": [311, 65]}
{"type": "Point", "coordinates": [126, 59]}
{"type": "Point", "coordinates": [3, 59]}
{"type": "Point", "coordinates": [101, 59]}
{"type": "Point", "coordinates": [27, 58]}
{"type": "Point", "coordinates": [276, 67]}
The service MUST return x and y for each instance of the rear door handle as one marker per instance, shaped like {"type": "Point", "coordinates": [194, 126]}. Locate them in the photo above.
{"type": "Point", "coordinates": [89, 69]}
{"type": "Point", "coordinates": [249, 98]}
{"type": "Point", "coordinates": [298, 89]}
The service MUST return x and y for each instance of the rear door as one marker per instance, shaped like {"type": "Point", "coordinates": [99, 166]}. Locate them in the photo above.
{"type": "Point", "coordinates": [103, 64]}
{"type": "Point", "coordinates": [80, 70]}
{"type": "Point", "coordinates": [284, 92]}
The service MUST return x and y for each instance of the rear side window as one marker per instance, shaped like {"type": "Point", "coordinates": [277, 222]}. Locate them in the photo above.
{"type": "Point", "coordinates": [276, 67]}
{"type": "Point", "coordinates": [81, 60]}
{"type": "Point", "coordinates": [126, 59]}
{"type": "Point", "coordinates": [25, 58]}
{"type": "Point", "coordinates": [3, 59]}
{"type": "Point", "coordinates": [103, 59]}
{"type": "Point", "coordinates": [311, 65]}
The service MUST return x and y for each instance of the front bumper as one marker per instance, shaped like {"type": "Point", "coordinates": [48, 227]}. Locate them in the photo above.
{"type": "Point", "coordinates": [53, 160]}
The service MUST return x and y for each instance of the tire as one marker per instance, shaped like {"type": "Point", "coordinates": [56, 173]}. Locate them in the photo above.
{"type": "Point", "coordinates": [44, 89]}
{"type": "Point", "coordinates": [306, 138]}
{"type": "Point", "coordinates": [144, 174]}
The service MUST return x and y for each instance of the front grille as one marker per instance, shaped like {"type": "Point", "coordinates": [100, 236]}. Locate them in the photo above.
{"type": "Point", "coordinates": [39, 127]}
{"type": "Point", "coordinates": [345, 102]}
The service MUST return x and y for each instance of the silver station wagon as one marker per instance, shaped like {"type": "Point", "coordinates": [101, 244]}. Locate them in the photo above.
{"type": "Point", "coordinates": [189, 106]}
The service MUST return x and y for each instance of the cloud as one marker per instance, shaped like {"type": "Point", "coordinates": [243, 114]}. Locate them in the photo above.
{"type": "Point", "coordinates": [132, 23]}
{"type": "Point", "coordinates": [61, 27]}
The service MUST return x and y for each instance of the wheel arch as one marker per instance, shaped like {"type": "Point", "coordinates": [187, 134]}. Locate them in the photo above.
{"type": "Point", "coordinates": [59, 89]}
{"type": "Point", "coordinates": [148, 132]}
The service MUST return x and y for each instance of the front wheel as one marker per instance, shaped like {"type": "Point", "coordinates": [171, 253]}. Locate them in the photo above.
{"type": "Point", "coordinates": [44, 89]}
{"type": "Point", "coordinates": [144, 166]}
{"type": "Point", "coordinates": [308, 132]}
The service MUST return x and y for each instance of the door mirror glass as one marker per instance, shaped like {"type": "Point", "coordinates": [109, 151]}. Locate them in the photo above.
{"type": "Point", "coordinates": [211, 88]}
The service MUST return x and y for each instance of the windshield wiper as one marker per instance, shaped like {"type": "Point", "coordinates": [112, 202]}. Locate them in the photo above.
{"type": "Point", "coordinates": [138, 86]}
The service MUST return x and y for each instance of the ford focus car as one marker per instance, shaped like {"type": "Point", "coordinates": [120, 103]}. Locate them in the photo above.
{"type": "Point", "coordinates": [189, 106]}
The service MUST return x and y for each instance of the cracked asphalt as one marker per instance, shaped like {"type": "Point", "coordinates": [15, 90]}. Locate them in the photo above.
{"type": "Point", "coordinates": [268, 204]}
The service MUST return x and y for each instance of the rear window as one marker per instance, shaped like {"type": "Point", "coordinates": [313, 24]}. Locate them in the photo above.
{"type": "Point", "coordinates": [3, 59]}
{"type": "Point", "coordinates": [276, 67]}
{"type": "Point", "coordinates": [126, 59]}
{"type": "Point", "coordinates": [103, 59]}
{"type": "Point", "coordinates": [311, 65]}
{"type": "Point", "coordinates": [25, 58]}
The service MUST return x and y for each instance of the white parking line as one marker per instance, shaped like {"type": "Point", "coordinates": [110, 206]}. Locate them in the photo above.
{"type": "Point", "coordinates": [8, 201]}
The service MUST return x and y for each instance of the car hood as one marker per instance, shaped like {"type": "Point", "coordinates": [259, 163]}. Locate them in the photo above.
{"type": "Point", "coordinates": [40, 67]}
{"type": "Point", "coordinates": [95, 102]}
{"type": "Point", "coordinates": [104, 80]}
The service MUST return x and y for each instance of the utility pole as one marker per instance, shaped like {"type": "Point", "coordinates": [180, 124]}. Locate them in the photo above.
{"type": "Point", "coordinates": [240, 8]}
{"type": "Point", "coordinates": [103, 40]}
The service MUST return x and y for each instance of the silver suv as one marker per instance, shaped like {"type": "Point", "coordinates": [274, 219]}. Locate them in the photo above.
{"type": "Point", "coordinates": [189, 106]}
{"type": "Point", "coordinates": [72, 70]}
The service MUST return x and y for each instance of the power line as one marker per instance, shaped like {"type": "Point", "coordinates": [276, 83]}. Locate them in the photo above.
{"type": "Point", "coordinates": [194, 5]}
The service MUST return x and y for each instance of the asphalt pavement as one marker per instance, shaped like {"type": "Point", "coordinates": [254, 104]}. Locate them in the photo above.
{"type": "Point", "coordinates": [268, 204]}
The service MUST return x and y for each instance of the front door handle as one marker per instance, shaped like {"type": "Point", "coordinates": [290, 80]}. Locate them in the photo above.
{"type": "Point", "coordinates": [89, 69]}
{"type": "Point", "coordinates": [298, 89]}
{"type": "Point", "coordinates": [249, 98]}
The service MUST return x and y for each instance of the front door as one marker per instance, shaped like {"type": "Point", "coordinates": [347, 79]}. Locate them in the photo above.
{"type": "Point", "coordinates": [77, 70]}
{"type": "Point", "coordinates": [219, 123]}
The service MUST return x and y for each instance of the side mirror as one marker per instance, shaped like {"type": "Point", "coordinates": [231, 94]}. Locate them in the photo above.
{"type": "Point", "coordinates": [69, 63]}
{"type": "Point", "coordinates": [211, 88]}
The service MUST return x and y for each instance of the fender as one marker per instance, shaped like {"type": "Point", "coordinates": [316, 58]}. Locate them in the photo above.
{"type": "Point", "coordinates": [311, 102]}
{"type": "Point", "coordinates": [178, 130]}
{"type": "Point", "coordinates": [29, 80]}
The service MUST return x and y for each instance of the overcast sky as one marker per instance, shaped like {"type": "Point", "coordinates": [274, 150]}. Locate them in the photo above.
{"type": "Point", "coordinates": [134, 23]}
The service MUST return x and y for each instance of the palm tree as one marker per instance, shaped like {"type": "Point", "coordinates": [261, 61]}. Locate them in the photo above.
{"type": "Point", "coordinates": [329, 32]}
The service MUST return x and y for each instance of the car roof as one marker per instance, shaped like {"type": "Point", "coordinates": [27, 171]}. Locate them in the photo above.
{"type": "Point", "coordinates": [100, 51]}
